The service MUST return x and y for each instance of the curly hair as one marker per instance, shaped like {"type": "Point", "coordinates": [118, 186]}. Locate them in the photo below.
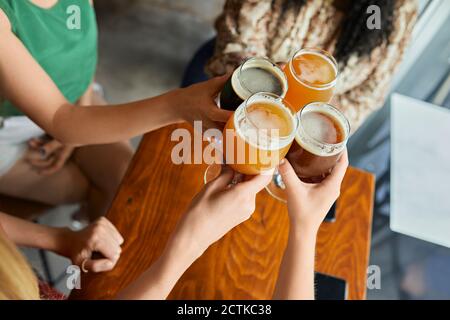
{"type": "Point", "coordinates": [355, 37]}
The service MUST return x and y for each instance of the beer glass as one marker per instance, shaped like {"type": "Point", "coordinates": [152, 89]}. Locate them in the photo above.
{"type": "Point", "coordinates": [253, 76]}
{"type": "Point", "coordinates": [257, 136]}
{"type": "Point", "coordinates": [311, 75]}
{"type": "Point", "coordinates": [321, 138]}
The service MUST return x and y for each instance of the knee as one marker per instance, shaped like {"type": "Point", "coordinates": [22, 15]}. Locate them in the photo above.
{"type": "Point", "coordinates": [75, 190]}
{"type": "Point", "coordinates": [124, 157]}
{"type": "Point", "coordinates": [122, 160]}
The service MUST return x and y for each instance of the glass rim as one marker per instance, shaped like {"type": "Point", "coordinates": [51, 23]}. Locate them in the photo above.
{"type": "Point", "coordinates": [274, 65]}
{"type": "Point", "coordinates": [345, 121]}
{"type": "Point", "coordinates": [321, 52]}
{"type": "Point", "coordinates": [277, 100]}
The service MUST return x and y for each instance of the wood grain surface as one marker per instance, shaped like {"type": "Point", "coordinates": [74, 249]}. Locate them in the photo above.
{"type": "Point", "coordinates": [242, 265]}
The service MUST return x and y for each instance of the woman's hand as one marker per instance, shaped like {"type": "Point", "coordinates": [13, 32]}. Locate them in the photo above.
{"type": "Point", "coordinates": [196, 103]}
{"type": "Point", "coordinates": [100, 238]}
{"type": "Point", "coordinates": [219, 207]}
{"type": "Point", "coordinates": [308, 204]}
{"type": "Point", "coordinates": [47, 156]}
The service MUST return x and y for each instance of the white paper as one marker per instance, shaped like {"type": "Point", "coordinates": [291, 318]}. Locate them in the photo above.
{"type": "Point", "coordinates": [420, 170]}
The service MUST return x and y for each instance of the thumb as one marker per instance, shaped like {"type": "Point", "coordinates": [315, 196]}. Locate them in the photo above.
{"type": "Point", "coordinates": [289, 176]}
{"type": "Point", "coordinates": [35, 143]}
{"type": "Point", "coordinates": [223, 180]}
{"type": "Point", "coordinates": [221, 115]}
{"type": "Point", "coordinates": [256, 183]}
{"type": "Point", "coordinates": [50, 147]}
{"type": "Point", "coordinates": [215, 85]}
{"type": "Point", "coordinates": [98, 265]}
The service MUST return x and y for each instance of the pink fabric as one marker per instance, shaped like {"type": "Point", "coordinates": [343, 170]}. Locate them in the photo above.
{"type": "Point", "coordinates": [47, 292]}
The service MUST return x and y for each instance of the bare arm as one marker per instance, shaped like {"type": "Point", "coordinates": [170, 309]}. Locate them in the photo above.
{"type": "Point", "coordinates": [214, 211]}
{"type": "Point", "coordinates": [28, 86]}
{"type": "Point", "coordinates": [307, 205]}
{"type": "Point", "coordinates": [28, 234]}
{"type": "Point", "coordinates": [296, 276]}
{"type": "Point", "coordinates": [100, 236]}
{"type": "Point", "coordinates": [157, 282]}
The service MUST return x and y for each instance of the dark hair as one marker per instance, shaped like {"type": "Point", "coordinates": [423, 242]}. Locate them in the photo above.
{"type": "Point", "coordinates": [355, 37]}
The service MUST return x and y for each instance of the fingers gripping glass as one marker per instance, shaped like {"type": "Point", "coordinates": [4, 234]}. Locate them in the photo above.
{"type": "Point", "coordinates": [321, 138]}
{"type": "Point", "coordinates": [254, 75]}
{"type": "Point", "coordinates": [257, 136]}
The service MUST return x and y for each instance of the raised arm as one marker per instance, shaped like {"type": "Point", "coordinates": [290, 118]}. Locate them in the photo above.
{"type": "Point", "coordinates": [213, 212]}
{"type": "Point", "coordinates": [307, 205]}
{"type": "Point", "coordinates": [28, 86]}
{"type": "Point", "coordinates": [28, 234]}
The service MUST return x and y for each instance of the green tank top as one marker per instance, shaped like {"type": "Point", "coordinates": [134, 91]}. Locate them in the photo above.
{"type": "Point", "coordinates": [62, 39]}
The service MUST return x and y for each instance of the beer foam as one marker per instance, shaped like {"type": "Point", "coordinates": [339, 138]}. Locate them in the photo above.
{"type": "Point", "coordinates": [258, 75]}
{"type": "Point", "coordinates": [261, 80]}
{"type": "Point", "coordinates": [264, 129]}
{"type": "Point", "coordinates": [269, 120]}
{"type": "Point", "coordinates": [318, 126]}
{"type": "Point", "coordinates": [315, 136]}
{"type": "Point", "coordinates": [319, 70]}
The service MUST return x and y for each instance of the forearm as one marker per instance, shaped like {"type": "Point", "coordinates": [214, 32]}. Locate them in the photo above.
{"type": "Point", "coordinates": [296, 276]}
{"type": "Point", "coordinates": [157, 282]}
{"type": "Point", "coordinates": [28, 234]}
{"type": "Point", "coordinates": [107, 124]}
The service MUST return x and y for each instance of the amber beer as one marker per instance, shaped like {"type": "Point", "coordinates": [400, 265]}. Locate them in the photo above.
{"type": "Point", "coordinates": [321, 138]}
{"type": "Point", "coordinates": [259, 134]}
{"type": "Point", "coordinates": [312, 75]}
{"type": "Point", "coordinates": [253, 76]}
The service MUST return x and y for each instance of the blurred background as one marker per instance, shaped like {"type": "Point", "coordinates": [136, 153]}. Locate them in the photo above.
{"type": "Point", "coordinates": [145, 46]}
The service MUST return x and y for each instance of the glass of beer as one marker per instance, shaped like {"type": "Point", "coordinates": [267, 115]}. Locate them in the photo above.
{"type": "Point", "coordinates": [253, 76]}
{"type": "Point", "coordinates": [312, 75]}
{"type": "Point", "coordinates": [257, 136]}
{"type": "Point", "coordinates": [321, 138]}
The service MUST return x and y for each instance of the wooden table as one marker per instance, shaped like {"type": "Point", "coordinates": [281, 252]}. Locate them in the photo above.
{"type": "Point", "coordinates": [242, 265]}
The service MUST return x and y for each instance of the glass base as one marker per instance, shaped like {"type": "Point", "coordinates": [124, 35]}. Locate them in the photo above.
{"type": "Point", "coordinates": [214, 170]}
{"type": "Point", "coordinates": [276, 188]}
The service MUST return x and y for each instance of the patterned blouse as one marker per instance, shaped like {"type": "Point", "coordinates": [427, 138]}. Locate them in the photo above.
{"type": "Point", "coordinates": [251, 27]}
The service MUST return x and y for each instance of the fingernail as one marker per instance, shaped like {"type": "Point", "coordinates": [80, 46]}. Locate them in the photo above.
{"type": "Point", "coordinates": [237, 178]}
{"type": "Point", "coordinates": [43, 153]}
{"type": "Point", "coordinates": [282, 162]}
